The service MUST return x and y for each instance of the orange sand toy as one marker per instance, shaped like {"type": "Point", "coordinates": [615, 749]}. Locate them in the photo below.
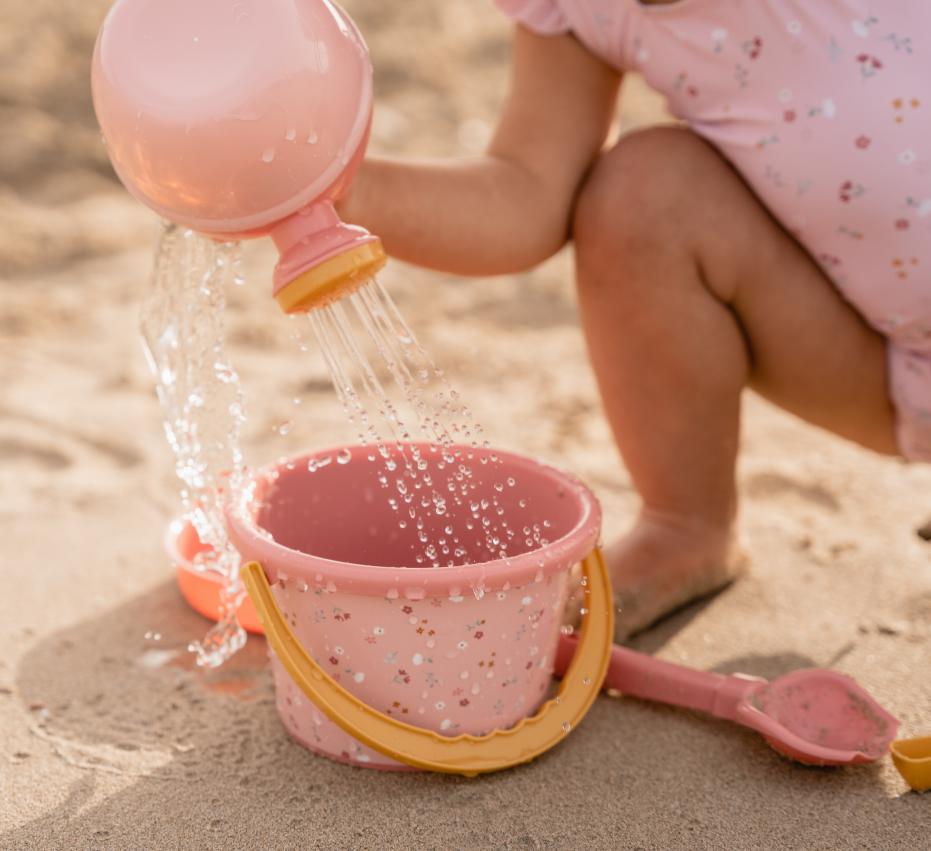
{"type": "Point", "coordinates": [912, 757]}
{"type": "Point", "coordinates": [201, 588]}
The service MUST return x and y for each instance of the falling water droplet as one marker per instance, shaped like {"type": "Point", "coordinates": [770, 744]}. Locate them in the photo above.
{"type": "Point", "coordinates": [268, 155]}
{"type": "Point", "coordinates": [312, 138]}
{"type": "Point", "coordinates": [344, 456]}
{"type": "Point", "coordinates": [291, 135]}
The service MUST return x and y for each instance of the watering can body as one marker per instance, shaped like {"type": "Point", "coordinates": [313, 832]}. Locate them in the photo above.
{"type": "Point", "coordinates": [239, 119]}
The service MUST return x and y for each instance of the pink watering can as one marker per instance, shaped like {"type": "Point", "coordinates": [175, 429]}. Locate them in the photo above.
{"type": "Point", "coordinates": [244, 118]}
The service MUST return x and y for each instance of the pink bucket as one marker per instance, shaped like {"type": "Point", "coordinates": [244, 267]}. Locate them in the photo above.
{"type": "Point", "coordinates": [453, 649]}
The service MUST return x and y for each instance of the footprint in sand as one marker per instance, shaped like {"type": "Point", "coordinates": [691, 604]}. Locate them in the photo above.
{"type": "Point", "coordinates": [58, 446]}
{"type": "Point", "coordinates": [12, 450]}
{"type": "Point", "coordinates": [918, 611]}
{"type": "Point", "coordinates": [768, 484]}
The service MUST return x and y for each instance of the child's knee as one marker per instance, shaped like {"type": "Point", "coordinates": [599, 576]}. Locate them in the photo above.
{"type": "Point", "coordinates": [637, 191]}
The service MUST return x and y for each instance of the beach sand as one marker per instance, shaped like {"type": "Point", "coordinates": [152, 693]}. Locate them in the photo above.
{"type": "Point", "coordinates": [112, 739]}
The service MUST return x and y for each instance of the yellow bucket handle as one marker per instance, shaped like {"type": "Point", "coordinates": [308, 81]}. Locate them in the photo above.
{"type": "Point", "coordinates": [463, 754]}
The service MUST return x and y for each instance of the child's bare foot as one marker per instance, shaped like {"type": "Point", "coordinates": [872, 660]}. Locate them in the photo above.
{"type": "Point", "coordinates": [665, 562]}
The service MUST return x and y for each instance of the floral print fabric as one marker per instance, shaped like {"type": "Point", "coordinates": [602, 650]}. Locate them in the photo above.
{"type": "Point", "coordinates": [823, 106]}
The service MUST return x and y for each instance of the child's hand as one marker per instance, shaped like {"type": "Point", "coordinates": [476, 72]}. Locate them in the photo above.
{"type": "Point", "coordinates": [509, 209]}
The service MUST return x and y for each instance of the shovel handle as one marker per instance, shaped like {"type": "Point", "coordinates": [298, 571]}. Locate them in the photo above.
{"type": "Point", "coordinates": [641, 675]}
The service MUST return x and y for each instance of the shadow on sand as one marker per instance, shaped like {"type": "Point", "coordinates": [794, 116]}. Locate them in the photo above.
{"type": "Point", "coordinates": [199, 760]}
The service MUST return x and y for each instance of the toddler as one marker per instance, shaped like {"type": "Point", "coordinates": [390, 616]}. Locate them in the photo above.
{"type": "Point", "coordinates": [778, 239]}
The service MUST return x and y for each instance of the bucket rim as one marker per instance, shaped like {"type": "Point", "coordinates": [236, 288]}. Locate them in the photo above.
{"type": "Point", "coordinates": [415, 582]}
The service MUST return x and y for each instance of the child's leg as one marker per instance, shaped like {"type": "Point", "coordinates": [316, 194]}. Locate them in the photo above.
{"type": "Point", "coordinates": [689, 292]}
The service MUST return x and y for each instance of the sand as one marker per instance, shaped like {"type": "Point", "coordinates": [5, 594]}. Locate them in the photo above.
{"type": "Point", "coordinates": [112, 740]}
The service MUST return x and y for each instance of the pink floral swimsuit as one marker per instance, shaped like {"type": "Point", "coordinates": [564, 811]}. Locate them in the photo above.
{"type": "Point", "coordinates": [825, 109]}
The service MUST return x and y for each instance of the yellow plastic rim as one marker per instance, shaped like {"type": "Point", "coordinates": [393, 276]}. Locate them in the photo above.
{"type": "Point", "coordinates": [332, 279]}
{"type": "Point", "coordinates": [463, 754]}
{"type": "Point", "coordinates": [912, 758]}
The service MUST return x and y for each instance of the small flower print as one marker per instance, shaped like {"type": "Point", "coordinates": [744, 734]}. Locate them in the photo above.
{"type": "Point", "coordinates": [753, 47]}
{"type": "Point", "coordinates": [922, 207]}
{"type": "Point", "coordinates": [478, 634]}
{"type": "Point", "coordinates": [680, 84]}
{"type": "Point", "coordinates": [333, 660]}
{"type": "Point", "coordinates": [907, 157]}
{"type": "Point", "coordinates": [849, 190]}
{"type": "Point", "coordinates": [899, 106]}
{"type": "Point", "coordinates": [900, 265]}
{"type": "Point", "coordinates": [851, 232]}
{"type": "Point", "coordinates": [718, 37]}
{"type": "Point", "coordinates": [902, 224]}
{"type": "Point", "coordinates": [903, 43]}
{"type": "Point", "coordinates": [462, 645]}
{"type": "Point", "coordinates": [861, 28]}
{"type": "Point", "coordinates": [793, 27]}
{"type": "Point", "coordinates": [378, 630]}
{"type": "Point", "coordinates": [406, 609]}
{"type": "Point", "coordinates": [789, 116]}
{"type": "Point", "coordinates": [464, 701]}
{"type": "Point", "coordinates": [785, 95]}
{"type": "Point", "coordinates": [826, 109]}
{"type": "Point", "coordinates": [869, 64]}
{"type": "Point", "coordinates": [439, 706]}
{"type": "Point", "coordinates": [862, 142]}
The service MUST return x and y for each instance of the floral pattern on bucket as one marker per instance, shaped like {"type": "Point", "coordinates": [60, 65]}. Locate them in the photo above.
{"type": "Point", "coordinates": [464, 663]}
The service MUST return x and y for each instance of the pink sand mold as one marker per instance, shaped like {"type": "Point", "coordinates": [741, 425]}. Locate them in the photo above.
{"type": "Point", "coordinates": [815, 716]}
{"type": "Point", "coordinates": [455, 649]}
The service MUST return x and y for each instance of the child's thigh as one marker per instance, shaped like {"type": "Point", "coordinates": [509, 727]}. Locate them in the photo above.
{"type": "Point", "coordinates": [663, 209]}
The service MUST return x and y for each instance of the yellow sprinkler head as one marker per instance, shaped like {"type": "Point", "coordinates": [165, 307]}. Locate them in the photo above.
{"type": "Point", "coordinates": [332, 279]}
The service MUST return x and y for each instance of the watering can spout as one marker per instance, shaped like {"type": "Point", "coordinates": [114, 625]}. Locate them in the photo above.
{"type": "Point", "coordinates": [322, 257]}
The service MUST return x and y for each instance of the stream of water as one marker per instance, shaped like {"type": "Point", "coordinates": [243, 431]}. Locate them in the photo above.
{"type": "Point", "coordinates": [394, 398]}
{"type": "Point", "coordinates": [183, 329]}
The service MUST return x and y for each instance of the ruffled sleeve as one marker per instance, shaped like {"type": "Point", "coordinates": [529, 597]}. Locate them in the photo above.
{"type": "Point", "coordinates": [543, 17]}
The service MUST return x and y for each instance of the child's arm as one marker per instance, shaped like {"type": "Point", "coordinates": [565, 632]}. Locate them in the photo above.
{"type": "Point", "coordinates": [509, 209]}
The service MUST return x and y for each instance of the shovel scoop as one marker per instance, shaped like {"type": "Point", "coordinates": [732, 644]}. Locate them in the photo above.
{"type": "Point", "coordinates": [814, 716]}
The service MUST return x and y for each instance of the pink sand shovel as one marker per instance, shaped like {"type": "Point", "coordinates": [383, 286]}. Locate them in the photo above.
{"type": "Point", "coordinates": [815, 716]}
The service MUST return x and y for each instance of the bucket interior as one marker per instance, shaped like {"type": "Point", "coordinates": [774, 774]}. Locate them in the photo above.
{"type": "Point", "coordinates": [341, 511]}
